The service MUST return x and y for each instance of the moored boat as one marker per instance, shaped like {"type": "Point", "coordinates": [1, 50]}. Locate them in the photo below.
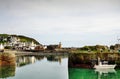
{"type": "Point", "coordinates": [103, 66]}
{"type": "Point", "coordinates": [1, 48]}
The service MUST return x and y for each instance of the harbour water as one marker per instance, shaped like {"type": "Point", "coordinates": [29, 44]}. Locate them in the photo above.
{"type": "Point", "coordinates": [75, 73]}
{"type": "Point", "coordinates": [37, 67]}
{"type": "Point", "coordinates": [52, 67]}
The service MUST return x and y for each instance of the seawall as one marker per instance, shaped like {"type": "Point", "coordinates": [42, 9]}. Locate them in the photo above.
{"type": "Point", "coordinates": [7, 59]}
{"type": "Point", "coordinates": [88, 60]}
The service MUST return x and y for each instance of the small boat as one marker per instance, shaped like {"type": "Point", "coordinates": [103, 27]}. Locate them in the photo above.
{"type": "Point", "coordinates": [1, 48]}
{"type": "Point", "coordinates": [103, 66]}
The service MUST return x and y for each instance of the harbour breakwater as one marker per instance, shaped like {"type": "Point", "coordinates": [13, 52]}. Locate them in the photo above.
{"type": "Point", "coordinates": [88, 60]}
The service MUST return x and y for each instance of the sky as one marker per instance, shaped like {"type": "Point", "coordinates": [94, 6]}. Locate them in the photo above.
{"type": "Point", "coordinates": [74, 23]}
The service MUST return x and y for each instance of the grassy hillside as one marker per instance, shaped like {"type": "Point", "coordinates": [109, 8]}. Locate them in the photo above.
{"type": "Point", "coordinates": [21, 37]}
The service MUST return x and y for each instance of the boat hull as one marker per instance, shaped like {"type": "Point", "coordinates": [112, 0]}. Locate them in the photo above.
{"type": "Point", "coordinates": [104, 66]}
{"type": "Point", "coordinates": [1, 50]}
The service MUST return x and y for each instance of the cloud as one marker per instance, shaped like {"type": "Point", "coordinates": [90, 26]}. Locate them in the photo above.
{"type": "Point", "coordinates": [59, 7]}
{"type": "Point", "coordinates": [73, 20]}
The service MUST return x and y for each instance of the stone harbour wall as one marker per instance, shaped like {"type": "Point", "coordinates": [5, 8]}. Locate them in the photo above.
{"type": "Point", "coordinates": [7, 59]}
{"type": "Point", "coordinates": [88, 60]}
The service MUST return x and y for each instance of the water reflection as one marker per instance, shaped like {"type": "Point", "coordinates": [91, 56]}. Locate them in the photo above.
{"type": "Point", "coordinates": [103, 73]}
{"type": "Point", "coordinates": [77, 73]}
{"type": "Point", "coordinates": [26, 60]}
{"type": "Point", "coordinates": [48, 67]}
{"type": "Point", "coordinates": [42, 64]}
{"type": "Point", "coordinates": [7, 71]}
{"type": "Point", "coordinates": [42, 67]}
{"type": "Point", "coordinates": [54, 58]}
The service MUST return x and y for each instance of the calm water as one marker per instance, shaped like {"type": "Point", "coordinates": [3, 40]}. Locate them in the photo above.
{"type": "Point", "coordinates": [75, 73]}
{"type": "Point", "coordinates": [52, 67]}
{"type": "Point", "coordinates": [40, 67]}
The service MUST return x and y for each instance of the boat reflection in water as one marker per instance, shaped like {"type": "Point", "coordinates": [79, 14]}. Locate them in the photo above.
{"type": "Point", "coordinates": [105, 73]}
{"type": "Point", "coordinates": [78, 73]}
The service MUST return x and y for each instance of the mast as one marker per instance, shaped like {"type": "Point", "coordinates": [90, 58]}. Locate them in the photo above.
{"type": "Point", "coordinates": [1, 47]}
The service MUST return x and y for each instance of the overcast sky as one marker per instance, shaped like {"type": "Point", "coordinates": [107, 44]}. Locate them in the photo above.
{"type": "Point", "coordinates": [72, 22]}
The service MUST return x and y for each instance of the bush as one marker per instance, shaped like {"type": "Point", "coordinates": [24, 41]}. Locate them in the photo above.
{"type": "Point", "coordinates": [8, 47]}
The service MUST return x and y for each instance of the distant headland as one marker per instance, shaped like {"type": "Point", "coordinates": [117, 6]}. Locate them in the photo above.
{"type": "Point", "coordinates": [21, 42]}
{"type": "Point", "coordinates": [24, 43]}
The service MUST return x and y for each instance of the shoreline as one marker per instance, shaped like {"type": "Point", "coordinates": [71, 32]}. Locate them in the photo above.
{"type": "Point", "coordinates": [25, 53]}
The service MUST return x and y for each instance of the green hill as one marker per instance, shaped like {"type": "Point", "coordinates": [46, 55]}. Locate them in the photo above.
{"type": "Point", "coordinates": [5, 38]}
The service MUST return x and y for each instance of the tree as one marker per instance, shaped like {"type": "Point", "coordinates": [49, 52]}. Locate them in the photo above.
{"type": "Point", "coordinates": [112, 47]}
